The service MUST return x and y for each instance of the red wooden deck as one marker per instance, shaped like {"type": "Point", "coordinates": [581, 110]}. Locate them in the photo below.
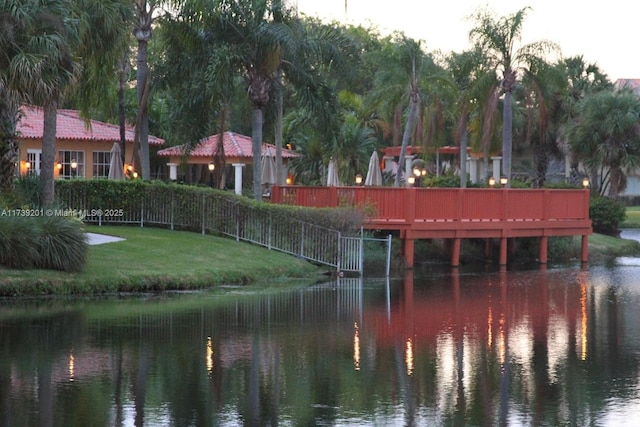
{"type": "Point", "coordinates": [455, 213]}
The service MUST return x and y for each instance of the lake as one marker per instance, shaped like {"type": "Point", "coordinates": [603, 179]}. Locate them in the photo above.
{"type": "Point", "coordinates": [554, 346]}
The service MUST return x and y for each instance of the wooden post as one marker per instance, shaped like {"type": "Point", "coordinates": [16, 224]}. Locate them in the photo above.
{"type": "Point", "coordinates": [503, 251]}
{"type": "Point", "coordinates": [455, 252]}
{"type": "Point", "coordinates": [544, 240]}
{"type": "Point", "coordinates": [585, 248]}
{"type": "Point", "coordinates": [408, 251]}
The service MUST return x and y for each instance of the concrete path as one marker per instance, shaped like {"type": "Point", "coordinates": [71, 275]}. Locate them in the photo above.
{"type": "Point", "coordinates": [98, 239]}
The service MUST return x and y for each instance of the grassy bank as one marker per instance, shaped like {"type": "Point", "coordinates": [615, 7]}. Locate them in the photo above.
{"type": "Point", "coordinates": [154, 259]}
{"type": "Point", "coordinates": [633, 217]}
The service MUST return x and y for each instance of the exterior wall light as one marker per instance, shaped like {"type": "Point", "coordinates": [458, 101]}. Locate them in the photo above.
{"type": "Point", "coordinates": [211, 166]}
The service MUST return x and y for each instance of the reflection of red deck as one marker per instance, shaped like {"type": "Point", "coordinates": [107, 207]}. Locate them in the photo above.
{"type": "Point", "coordinates": [424, 314]}
{"type": "Point", "coordinates": [455, 213]}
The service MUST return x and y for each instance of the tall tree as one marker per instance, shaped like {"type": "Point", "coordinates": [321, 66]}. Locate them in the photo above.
{"type": "Point", "coordinates": [32, 46]}
{"type": "Point", "coordinates": [499, 39]}
{"type": "Point", "coordinates": [605, 136]}
{"type": "Point", "coordinates": [142, 32]}
{"type": "Point", "coordinates": [259, 39]}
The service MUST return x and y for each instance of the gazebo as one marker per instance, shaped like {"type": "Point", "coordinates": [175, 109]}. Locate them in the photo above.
{"type": "Point", "coordinates": [237, 152]}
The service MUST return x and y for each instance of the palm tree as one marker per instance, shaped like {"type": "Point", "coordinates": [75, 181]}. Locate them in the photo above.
{"type": "Point", "coordinates": [605, 136]}
{"type": "Point", "coordinates": [142, 33]}
{"type": "Point", "coordinates": [473, 86]}
{"type": "Point", "coordinates": [498, 38]}
{"type": "Point", "coordinates": [31, 40]}
{"type": "Point", "coordinates": [258, 39]}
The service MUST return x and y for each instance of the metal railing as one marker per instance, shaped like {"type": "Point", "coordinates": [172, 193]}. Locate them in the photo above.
{"type": "Point", "coordinates": [208, 214]}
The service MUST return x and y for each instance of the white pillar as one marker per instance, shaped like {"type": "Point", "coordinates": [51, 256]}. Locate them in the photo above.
{"type": "Point", "coordinates": [496, 167]}
{"type": "Point", "coordinates": [473, 170]}
{"type": "Point", "coordinates": [173, 171]}
{"type": "Point", "coordinates": [408, 170]}
{"type": "Point", "coordinates": [388, 163]}
{"type": "Point", "coordinates": [238, 184]}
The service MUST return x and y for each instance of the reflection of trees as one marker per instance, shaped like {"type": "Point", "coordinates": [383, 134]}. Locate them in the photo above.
{"type": "Point", "coordinates": [468, 350]}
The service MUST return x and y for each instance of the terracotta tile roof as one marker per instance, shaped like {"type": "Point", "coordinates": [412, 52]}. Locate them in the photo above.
{"type": "Point", "coordinates": [235, 145]}
{"type": "Point", "coordinates": [633, 84]}
{"type": "Point", "coordinates": [71, 126]}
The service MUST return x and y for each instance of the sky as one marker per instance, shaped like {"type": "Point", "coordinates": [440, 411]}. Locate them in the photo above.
{"type": "Point", "coordinates": [605, 33]}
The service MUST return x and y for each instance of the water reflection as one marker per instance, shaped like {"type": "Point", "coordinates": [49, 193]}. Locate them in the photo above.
{"type": "Point", "coordinates": [544, 347]}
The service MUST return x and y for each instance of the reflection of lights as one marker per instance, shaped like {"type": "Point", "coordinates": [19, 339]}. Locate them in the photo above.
{"type": "Point", "coordinates": [583, 321]}
{"type": "Point", "coordinates": [356, 347]}
{"type": "Point", "coordinates": [409, 356]}
{"type": "Point", "coordinates": [72, 366]}
{"type": "Point", "coordinates": [209, 356]}
{"type": "Point", "coordinates": [489, 326]}
{"type": "Point", "coordinates": [502, 342]}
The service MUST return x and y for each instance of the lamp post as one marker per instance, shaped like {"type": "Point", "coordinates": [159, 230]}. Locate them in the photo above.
{"type": "Point", "coordinates": [585, 183]}
{"type": "Point", "coordinates": [411, 180]}
{"type": "Point", "coordinates": [211, 166]}
{"type": "Point", "coordinates": [503, 181]}
{"type": "Point", "coordinates": [492, 182]}
{"type": "Point", "coordinates": [358, 179]}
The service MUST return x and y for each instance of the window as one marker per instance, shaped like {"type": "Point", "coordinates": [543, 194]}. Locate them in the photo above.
{"type": "Point", "coordinates": [101, 162]}
{"type": "Point", "coordinates": [34, 162]}
{"type": "Point", "coordinates": [71, 164]}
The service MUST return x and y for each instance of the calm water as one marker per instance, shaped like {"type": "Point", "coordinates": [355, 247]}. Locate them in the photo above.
{"type": "Point", "coordinates": [544, 347]}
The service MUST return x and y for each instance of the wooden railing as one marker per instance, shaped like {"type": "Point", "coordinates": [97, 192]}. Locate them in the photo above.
{"type": "Point", "coordinates": [389, 205]}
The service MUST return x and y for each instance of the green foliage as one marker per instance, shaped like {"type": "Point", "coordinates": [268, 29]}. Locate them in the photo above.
{"type": "Point", "coordinates": [563, 185]}
{"type": "Point", "coordinates": [606, 214]}
{"type": "Point", "coordinates": [148, 202]}
{"type": "Point", "coordinates": [49, 242]}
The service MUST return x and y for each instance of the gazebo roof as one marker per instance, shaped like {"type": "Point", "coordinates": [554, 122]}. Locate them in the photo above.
{"type": "Point", "coordinates": [235, 145]}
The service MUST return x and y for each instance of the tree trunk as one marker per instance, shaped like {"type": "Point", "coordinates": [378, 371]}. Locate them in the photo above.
{"type": "Point", "coordinates": [464, 143]}
{"type": "Point", "coordinates": [413, 112]}
{"type": "Point", "coordinates": [256, 142]}
{"type": "Point", "coordinates": [142, 127]}
{"type": "Point", "coordinates": [278, 136]}
{"type": "Point", "coordinates": [507, 137]}
{"type": "Point", "coordinates": [47, 193]}
{"type": "Point", "coordinates": [122, 119]}
{"type": "Point", "coordinates": [8, 143]}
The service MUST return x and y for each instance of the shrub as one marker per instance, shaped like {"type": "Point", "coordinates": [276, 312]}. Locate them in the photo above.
{"type": "Point", "coordinates": [606, 214]}
{"type": "Point", "coordinates": [148, 202]}
{"type": "Point", "coordinates": [56, 243]}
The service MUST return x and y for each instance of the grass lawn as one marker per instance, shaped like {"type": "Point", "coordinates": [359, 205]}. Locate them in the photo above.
{"type": "Point", "coordinates": [156, 259]}
{"type": "Point", "coordinates": [633, 218]}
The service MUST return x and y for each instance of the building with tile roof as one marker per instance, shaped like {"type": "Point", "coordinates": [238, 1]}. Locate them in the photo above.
{"type": "Point", "coordinates": [238, 153]}
{"type": "Point", "coordinates": [83, 144]}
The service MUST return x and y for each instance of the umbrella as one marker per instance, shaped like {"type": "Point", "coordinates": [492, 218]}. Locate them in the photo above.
{"type": "Point", "coordinates": [374, 174]}
{"type": "Point", "coordinates": [116, 168]}
{"type": "Point", "coordinates": [332, 174]}
{"type": "Point", "coordinates": [268, 167]}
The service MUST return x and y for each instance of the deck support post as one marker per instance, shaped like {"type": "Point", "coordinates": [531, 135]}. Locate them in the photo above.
{"type": "Point", "coordinates": [503, 251]}
{"type": "Point", "coordinates": [542, 257]}
{"type": "Point", "coordinates": [455, 252]}
{"type": "Point", "coordinates": [584, 257]}
{"type": "Point", "coordinates": [408, 252]}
